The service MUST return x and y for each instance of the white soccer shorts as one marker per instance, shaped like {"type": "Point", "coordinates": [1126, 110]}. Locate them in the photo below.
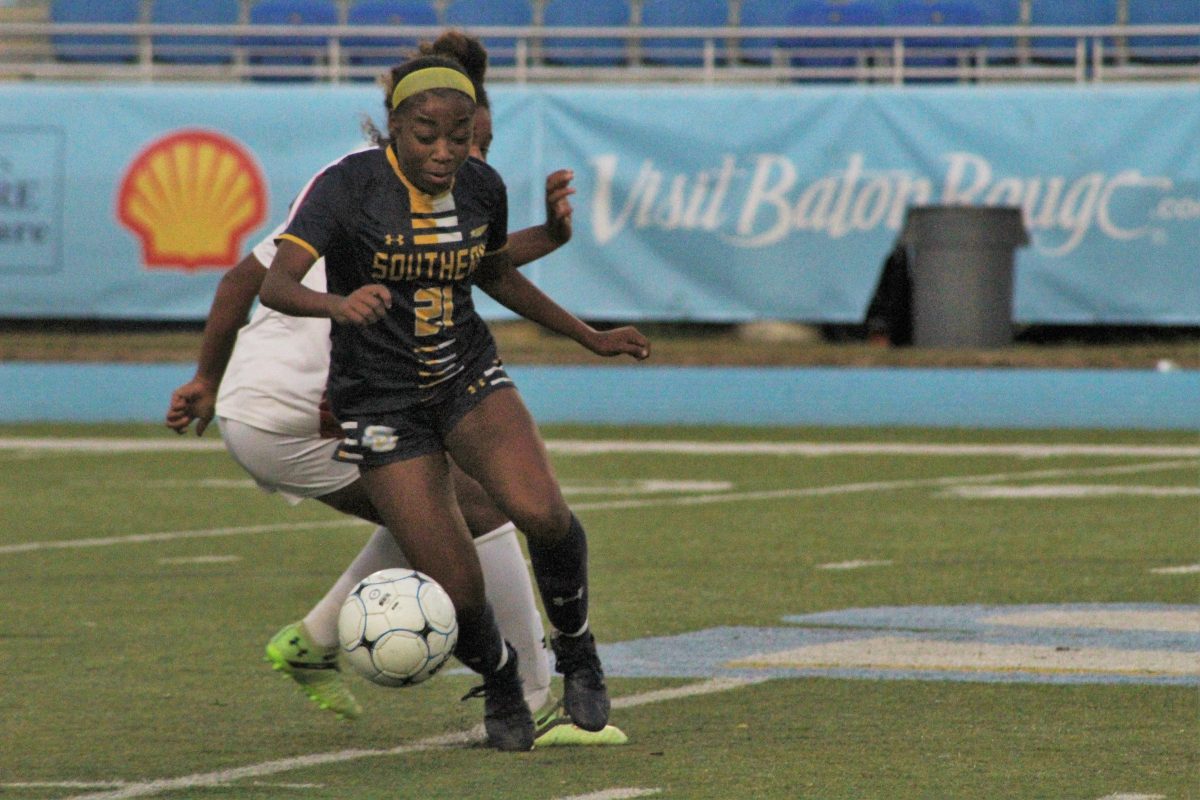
{"type": "Point", "coordinates": [296, 467]}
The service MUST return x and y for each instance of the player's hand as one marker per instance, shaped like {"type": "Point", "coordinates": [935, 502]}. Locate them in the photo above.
{"type": "Point", "coordinates": [194, 401]}
{"type": "Point", "coordinates": [328, 425]}
{"type": "Point", "coordinates": [365, 305]}
{"type": "Point", "coordinates": [558, 205]}
{"type": "Point", "coordinates": [627, 341]}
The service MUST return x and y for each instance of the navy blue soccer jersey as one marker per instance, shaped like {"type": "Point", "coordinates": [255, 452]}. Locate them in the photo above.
{"type": "Point", "coordinates": [373, 226]}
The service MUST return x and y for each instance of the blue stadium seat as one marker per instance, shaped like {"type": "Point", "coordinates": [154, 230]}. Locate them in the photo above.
{"type": "Point", "coordinates": [182, 49]}
{"type": "Point", "coordinates": [1164, 49]}
{"type": "Point", "coordinates": [599, 51]}
{"type": "Point", "coordinates": [1001, 12]}
{"type": "Point", "coordinates": [290, 51]}
{"type": "Point", "coordinates": [95, 48]}
{"type": "Point", "coordinates": [1068, 12]}
{"type": "Point", "coordinates": [937, 14]}
{"type": "Point", "coordinates": [834, 14]}
{"type": "Point", "coordinates": [681, 14]}
{"type": "Point", "coordinates": [470, 14]}
{"type": "Point", "coordinates": [762, 14]}
{"type": "Point", "coordinates": [386, 51]}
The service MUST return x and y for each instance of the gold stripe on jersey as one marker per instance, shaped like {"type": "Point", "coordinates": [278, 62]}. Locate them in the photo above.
{"type": "Point", "coordinates": [450, 373]}
{"type": "Point", "coordinates": [437, 370]}
{"type": "Point", "coordinates": [434, 348]}
{"type": "Point", "coordinates": [435, 216]}
{"type": "Point", "coordinates": [297, 240]}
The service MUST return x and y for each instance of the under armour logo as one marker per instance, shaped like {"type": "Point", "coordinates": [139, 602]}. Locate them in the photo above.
{"type": "Point", "coordinates": [396, 240]}
{"type": "Point", "coordinates": [562, 601]}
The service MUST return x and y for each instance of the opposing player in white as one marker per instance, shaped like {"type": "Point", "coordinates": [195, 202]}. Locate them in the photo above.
{"type": "Point", "coordinates": [271, 377]}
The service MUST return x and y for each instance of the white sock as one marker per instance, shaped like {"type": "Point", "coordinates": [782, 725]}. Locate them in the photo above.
{"type": "Point", "coordinates": [510, 591]}
{"type": "Point", "coordinates": [380, 552]}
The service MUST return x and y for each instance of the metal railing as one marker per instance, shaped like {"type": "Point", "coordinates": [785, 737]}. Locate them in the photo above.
{"type": "Point", "coordinates": [875, 54]}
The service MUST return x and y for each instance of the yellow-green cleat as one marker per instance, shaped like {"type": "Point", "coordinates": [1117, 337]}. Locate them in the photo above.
{"type": "Point", "coordinates": [314, 668]}
{"type": "Point", "coordinates": [553, 728]}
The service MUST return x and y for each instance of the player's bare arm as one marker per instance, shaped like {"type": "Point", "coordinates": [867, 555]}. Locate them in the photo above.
{"type": "Point", "coordinates": [283, 291]}
{"type": "Point", "coordinates": [195, 401]}
{"type": "Point", "coordinates": [503, 283]}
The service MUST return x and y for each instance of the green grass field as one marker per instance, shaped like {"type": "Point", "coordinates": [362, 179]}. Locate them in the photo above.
{"type": "Point", "coordinates": [139, 586]}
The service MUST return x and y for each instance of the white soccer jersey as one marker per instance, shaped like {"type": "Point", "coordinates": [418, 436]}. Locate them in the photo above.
{"type": "Point", "coordinates": [277, 371]}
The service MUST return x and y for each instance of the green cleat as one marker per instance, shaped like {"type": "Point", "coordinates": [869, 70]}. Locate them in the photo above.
{"type": "Point", "coordinates": [314, 668]}
{"type": "Point", "coordinates": [552, 728]}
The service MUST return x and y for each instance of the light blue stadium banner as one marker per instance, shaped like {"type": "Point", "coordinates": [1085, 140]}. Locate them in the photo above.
{"type": "Point", "coordinates": [693, 203]}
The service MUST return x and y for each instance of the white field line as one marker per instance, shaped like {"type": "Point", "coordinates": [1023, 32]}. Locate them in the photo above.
{"type": "Point", "coordinates": [170, 536]}
{"type": "Point", "coordinates": [456, 739]}
{"type": "Point", "coordinates": [1185, 569]}
{"type": "Point", "coordinates": [878, 486]}
{"type": "Point", "coordinates": [119, 784]}
{"type": "Point", "coordinates": [229, 559]}
{"type": "Point", "coordinates": [1129, 796]}
{"type": "Point", "coordinates": [617, 505]}
{"type": "Point", "coordinates": [587, 447]}
{"type": "Point", "coordinates": [1069, 491]}
{"type": "Point", "coordinates": [858, 564]}
{"type": "Point", "coordinates": [624, 793]}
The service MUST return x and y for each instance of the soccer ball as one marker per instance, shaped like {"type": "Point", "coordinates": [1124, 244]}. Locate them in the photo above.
{"type": "Point", "coordinates": [397, 627]}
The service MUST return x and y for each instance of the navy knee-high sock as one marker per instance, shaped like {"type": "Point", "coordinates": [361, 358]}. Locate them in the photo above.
{"type": "Point", "coordinates": [562, 577]}
{"type": "Point", "coordinates": [480, 646]}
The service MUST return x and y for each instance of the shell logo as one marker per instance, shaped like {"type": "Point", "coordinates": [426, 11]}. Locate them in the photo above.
{"type": "Point", "coordinates": [191, 197]}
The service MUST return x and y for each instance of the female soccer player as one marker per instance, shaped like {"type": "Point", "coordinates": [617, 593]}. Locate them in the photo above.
{"type": "Point", "coordinates": [406, 229]}
{"type": "Point", "coordinates": [266, 407]}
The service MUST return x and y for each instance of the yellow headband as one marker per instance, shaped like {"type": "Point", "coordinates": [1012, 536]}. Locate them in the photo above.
{"type": "Point", "coordinates": [422, 80]}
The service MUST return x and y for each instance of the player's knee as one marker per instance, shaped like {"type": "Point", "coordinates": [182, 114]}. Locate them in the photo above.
{"type": "Point", "coordinates": [541, 522]}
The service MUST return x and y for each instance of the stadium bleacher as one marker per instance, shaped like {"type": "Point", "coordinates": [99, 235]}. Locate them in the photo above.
{"type": "Point", "coordinates": [683, 14]}
{"type": "Point", "coordinates": [98, 47]}
{"type": "Point", "coordinates": [593, 51]}
{"type": "Point", "coordinates": [380, 52]}
{"type": "Point", "coordinates": [291, 55]}
{"type": "Point", "coordinates": [883, 41]}
{"type": "Point", "coordinates": [469, 14]}
{"type": "Point", "coordinates": [194, 49]}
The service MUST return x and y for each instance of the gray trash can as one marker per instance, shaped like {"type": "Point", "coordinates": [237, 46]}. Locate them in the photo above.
{"type": "Point", "coordinates": [961, 267]}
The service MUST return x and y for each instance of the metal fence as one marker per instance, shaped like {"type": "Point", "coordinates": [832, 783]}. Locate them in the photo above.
{"type": "Point", "coordinates": [635, 53]}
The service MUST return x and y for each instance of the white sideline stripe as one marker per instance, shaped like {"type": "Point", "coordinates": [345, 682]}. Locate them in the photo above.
{"type": "Point", "coordinates": [118, 784]}
{"type": "Point", "coordinates": [1186, 569]}
{"type": "Point", "coordinates": [876, 486]}
{"type": "Point", "coordinates": [101, 445]}
{"type": "Point", "coordinates": [613, 794]}
{"type": "Point", "coordinates": [1128, 796]}
{"type": "Point", "coordinates": [1068, 491]}
{"type": "Point", "coordinates": [170, 536]}
{"type": "Point", "coordinates": [617, 505]}
{"type": "Point", "coordinates": [586, 447]}
{"type": "Point", "coordinates": [856, 564]}
{"type": "Point", "coordinates": [459, 738]}
{"type": "Point", "coordinates": [63, 784]}
{"type": "Point", "coordinates": [200, 560]}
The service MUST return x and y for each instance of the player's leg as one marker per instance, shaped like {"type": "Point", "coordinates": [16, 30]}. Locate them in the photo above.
{"type": "Point", "coordinates": [510, 592]}
{"type": "Point", "coordinates": [307, 650]}
{"type": "Point", "coordinates": [297, 467]}
{"type": "Point", "coordinates": [497, 443]}
{"type": "Point", "coordinates": [507, 583]}
{"type": "Point", "coordinates": [415, 498]}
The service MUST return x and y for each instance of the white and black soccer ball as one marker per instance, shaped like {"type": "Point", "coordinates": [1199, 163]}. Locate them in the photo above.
{"type": "Point", "coordinates": [397, 627]}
